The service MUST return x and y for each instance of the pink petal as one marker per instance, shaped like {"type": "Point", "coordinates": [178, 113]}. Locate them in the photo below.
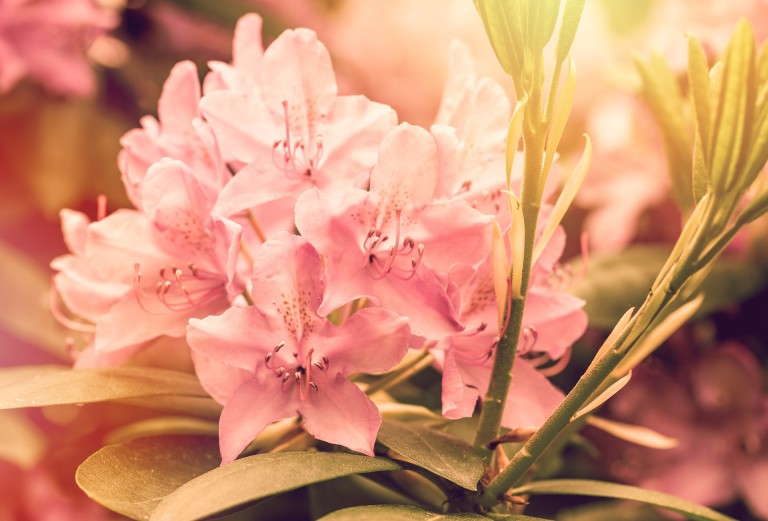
{"type": "Point", "coordinates": [753, 482]}
{"type": "Point", "coordinates": [460, 390]}
{"type": "Point", "coordinates": [559, 320]}
{"type": "Point", "coordinates": [531, 397]}
{"type": "Point", "coordinates": [297, 68]}
{"type": "Point", "coordinates": [254, 405]}
{"type": "Point", "coordinates": [372, 340]}
{"type": "Point", "coordinates": [341, 413]}
{"type": "Point", "coordinates": [406, 172]}
{"type": "Point", "coordinates": [218, 379]}
{"type": "Point", "coordinates": [229, 338]}
{"type": "Point", "coordinates": [177, 106]}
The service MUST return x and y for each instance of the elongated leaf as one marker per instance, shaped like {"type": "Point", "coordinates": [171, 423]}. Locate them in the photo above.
{"type": "Point", "coordinates": [163, 426]}
{"type": "Point", "coordinates": [408, 513]}
{"type": "Point", "coordinates": [633, 433]}
{"type": "Point", "coordinates": [732, 123]}
{"type": "Point", "coordinates": [254, 478]}
{"type": "Point", "coordinates": [506, 39]}
{"type": "Point", "coordinates": [615, 282]}
{"type": "Point", "coordinates": [132, 478]}
{"type": "Point", "coordinates": [571, 17]}
{"type": "Point", "coordinates": [38, 386]}
{"type": "Point", "coordinates": [604, 396]}
{"type": "Point", "coordinates": [698, 79]}
{"type": "Point", "coordinates": [585, 487]}
{"type": "Point", "coordinates": [437, 452]}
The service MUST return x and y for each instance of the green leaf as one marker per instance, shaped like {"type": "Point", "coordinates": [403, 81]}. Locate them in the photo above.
{"type": "Point", "coordinates": [661, 89]}
{"type": "Point", "coordinates": [618, 281]}
{"type": "Point", "coordinates": [736, 102]}
{"type": "Point", "coordinates": [165, 425]}
{"type": "Point", "coordinates": [585, 487]}
{"type": "Point", "coordinates": [408, 513]}
{"type": "Point", "coordinates": [39, 386]}
{"type": "Point", "coordinates": [132, 478]}
{"type": "Point", "coordinates": [571, 17]}
{"type": "Point", "coordinates": [255, 478]}
{"type": "Point", "coordinates": [502, 21]}
{"type": "Point", "coordinates": [435, 451]}
{"type": "Point", "coordinates": [609, 511]}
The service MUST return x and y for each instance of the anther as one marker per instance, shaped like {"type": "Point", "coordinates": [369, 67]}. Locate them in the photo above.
{"type": "Point", "coordinates": [313, 385]}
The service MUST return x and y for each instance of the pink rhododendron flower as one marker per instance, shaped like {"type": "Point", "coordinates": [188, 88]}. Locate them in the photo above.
{"type": "Point", "coordinates": [552, 321]}
{"type": "Point", "coordinates": [392, 243]}
{"type": "Point", "coordinates": [179, 134]}
{"type": "Point", "coordinates": [279, 357]}
{"type": "Point", "coordinates": [159, 268]}
{"type": "Point", "coordinates": [293, 131]}
{"type": "Point", "coordinates": [47, 39]}
{"type": "Point", "coordinates": [716, 408]}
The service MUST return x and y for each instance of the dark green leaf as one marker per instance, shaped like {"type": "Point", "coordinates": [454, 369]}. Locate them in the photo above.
{"type": "Point", "coordinates": [615, 282]}
{"type": "Point", "coordinates": [254, 478]}
{"type": "Point", "coordinates": [408, 513]}
{"type": "Point", "coordinates": [38, 386]}
{"type": "Point", "coordinates": [435, 451]}
{"type": "Point", "coordinates": [132, 478]}
{"type": "Point", "coordinates": [585, 487]}
{"type": "Point", "coordinates": [610, 511]}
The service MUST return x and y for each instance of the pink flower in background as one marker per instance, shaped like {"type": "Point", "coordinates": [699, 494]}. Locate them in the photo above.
{"type": "Point", "coordinates": [393, 244]}
{"type": "Point", "coordinates": [716, 408]}
{"type": "Point", "coordinates": [279, 357]}
{"type": "Point", "coordinates": [552, 321]}
{"type": "Point", "coordinates": [247, 51]}
{"type": "Point", "coordinates": [46, 40]}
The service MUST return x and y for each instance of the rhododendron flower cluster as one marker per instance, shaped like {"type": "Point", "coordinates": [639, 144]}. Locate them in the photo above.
{"type": "Point", "coordinates": [296, 238]}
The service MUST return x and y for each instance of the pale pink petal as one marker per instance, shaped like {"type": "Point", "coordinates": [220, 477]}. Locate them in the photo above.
{"type": "Point", "coordinates": [254, 405]}
{"type": "Point", "coordinates": [341, 413]}
{"type": "Point", "coordinates": [82, 289]}
{"type": "Point", "coordinates": [239, 337]}
{"type": "Point", "coordinates": [460, 390]}
{"type": "Point", "coordinates": [699, 477]}
{"type": "Point", "coordinates": [218, 379]}
{"type": "Point", "coordinates": [559, 320]}
{"type": "Point", "coordinates": [372, 340]}
{"type": "Point", "coordinates": [352, 140]}
{"type": "Point", "coordinates": [254, 185]}
{"type": "Point", "coordinates": [406, 172]}
{"type": "Point", "coordinates": [177, 106]}
{"type": "Point", "coordinates": [288, 283]}
{"type": "Point", "coordinates": [74, 227]}
{"type": "Point", "coordinates": [531, 399]}
{"type": "Point", "coordinates": [297, 69]}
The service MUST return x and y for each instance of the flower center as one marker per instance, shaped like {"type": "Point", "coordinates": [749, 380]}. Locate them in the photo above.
{"type": "Point", "coordinates": [178, 289]}
{"type": "Point", "coordinates": [299, 372]}
{"type": "Point", "coordinates": [400, 258]}
{"type": "Point", "coordinates": [296, 158]}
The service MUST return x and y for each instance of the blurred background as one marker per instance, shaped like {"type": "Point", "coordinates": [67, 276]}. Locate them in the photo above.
{"type": "Point", "coordinates": [75, 75]}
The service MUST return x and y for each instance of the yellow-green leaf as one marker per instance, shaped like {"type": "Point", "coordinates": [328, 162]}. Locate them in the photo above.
{"type": "Point", "coordinates": [132, 478]}
{"type": "Point", "coordinates": [736, 101]}
{"type": "Point", "coordinates": [435, 451]}
{"type": "Point", "coordinates": [251, 479]}
{"type": "Point", "coordinates": [590, 488]}
{"type": "Point", "coordinates": [568, 25]}
{"type": "Point", "coordinates": [38, 386]}
{"type": "Point", "coordinates": [559, 119]}
{"type": "Point", "coordinates": [409, 513]}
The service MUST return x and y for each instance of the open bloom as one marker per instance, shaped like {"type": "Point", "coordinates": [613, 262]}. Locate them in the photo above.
{"type": "Point", "coordinates": [392, 244]}
{"type": "Point", "coordinates": [279, 357]}
{"type": "Point", "coordinates": [292, 130]}
{"type": "Point", "coordinates": [147, 273]}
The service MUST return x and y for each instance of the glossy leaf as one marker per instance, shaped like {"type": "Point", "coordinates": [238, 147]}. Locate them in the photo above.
{"type": "Point", "coordinates": [408, 513]}
{"type": "Point", "coordinates": [615, 282]}
{"type": "Point", "coordinates": [255, 478]}
{"type": "Point", "coordinates": [435, 451]}
{"type": "Point", "coordinates": [132, 478]}
{"type": "Point", "coordinates": [163, 426]}
{"type": "Point", "coordinates": [38, 386]}
{"type": "Point", "coordinates": [585, 487]}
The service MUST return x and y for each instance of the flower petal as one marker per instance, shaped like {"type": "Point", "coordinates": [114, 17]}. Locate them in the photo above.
{"type": "Point", "coordinates": [341, 413]}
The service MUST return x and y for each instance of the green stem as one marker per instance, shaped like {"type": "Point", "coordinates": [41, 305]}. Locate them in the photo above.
{"type": "Point", "coordinates": [548, 432]}
{"type": "Point", "coordinates": [495, 398]}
